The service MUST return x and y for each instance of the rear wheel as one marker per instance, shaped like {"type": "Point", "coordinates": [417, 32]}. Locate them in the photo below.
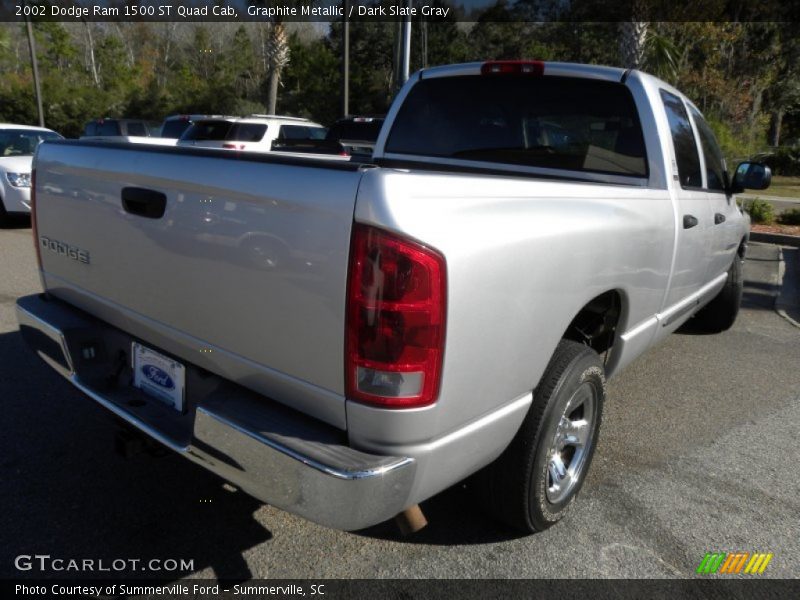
{"type": "Point", "coordinates": [720, 314]}
{"type": "Point", "coordinates": [533, 484]}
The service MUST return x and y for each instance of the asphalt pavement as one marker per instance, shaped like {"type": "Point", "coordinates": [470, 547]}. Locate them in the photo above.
{"type": "Point", "coordinates": [698, 453]}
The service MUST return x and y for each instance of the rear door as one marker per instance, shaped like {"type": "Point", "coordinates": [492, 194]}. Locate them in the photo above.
{"type": "Point", "coordinates": [725, 215]}
{"type": "Point", "coordinates": [694, 226]}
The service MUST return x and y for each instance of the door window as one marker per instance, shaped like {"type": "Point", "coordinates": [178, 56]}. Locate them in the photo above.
{"type": "Point", "coordinates": [136, 128]}
{"type": "Point", "coordinates": [683, 139]}
{"type": "Point", "coordinates": [716, 171]}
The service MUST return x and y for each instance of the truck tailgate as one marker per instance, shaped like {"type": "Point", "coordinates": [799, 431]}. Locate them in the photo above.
{"type": "Point", "coordinates": [244, 274]}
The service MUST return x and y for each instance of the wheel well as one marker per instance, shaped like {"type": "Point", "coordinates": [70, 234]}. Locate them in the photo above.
{"type": "Point", "coordinates": [742, 250]}
{"type": "Point", "coordinates": [596, 323]}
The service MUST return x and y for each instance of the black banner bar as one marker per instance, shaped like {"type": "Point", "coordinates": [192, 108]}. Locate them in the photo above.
{"type": "Point", "coordinates": [391, 10]}
{"type": "Point", "coordinates": [737, 588]}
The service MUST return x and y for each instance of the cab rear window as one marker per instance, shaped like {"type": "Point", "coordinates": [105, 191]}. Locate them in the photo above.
{"type": "Point", "coordinates": [366, 131]}
{"type": "Point", "coordinates": [550, 122]}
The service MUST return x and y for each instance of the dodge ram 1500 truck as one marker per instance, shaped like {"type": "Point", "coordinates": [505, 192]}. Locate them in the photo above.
{"type": "Point", "coordinates": [344, 340]}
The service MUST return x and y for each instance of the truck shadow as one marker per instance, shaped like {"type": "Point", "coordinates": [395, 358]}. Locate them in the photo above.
{"type": "Point", "coordinates": [70, 495]}
{"type": "Point", "coordinates": [454, 519]}
{"type": "Point", "coordinates": [16, 222]}
{"type": "Point", "coordinates": [757, 295]}
{"type": "Point", "coordinates": [66, 493]}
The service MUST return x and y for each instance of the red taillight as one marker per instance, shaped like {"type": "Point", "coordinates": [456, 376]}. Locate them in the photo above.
{"type": "Point", "coordinates": [395, 320]}
{"type": "Point", "coordinates": [233, 146]}
{"type": "Point", "coordinates": [34, 228]}
{"type": "Point", "coordinates": [513, 67]}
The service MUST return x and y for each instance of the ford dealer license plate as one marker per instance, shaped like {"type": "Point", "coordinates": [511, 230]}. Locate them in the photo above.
{"type": "Point", "coordinates": [158, 376]}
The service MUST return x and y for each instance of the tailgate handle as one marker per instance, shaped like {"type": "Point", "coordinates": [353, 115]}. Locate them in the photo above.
{"type": "Point", "coordinates": [143, 202]}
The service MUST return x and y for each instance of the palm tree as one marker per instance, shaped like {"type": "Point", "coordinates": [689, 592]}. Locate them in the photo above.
{"type": "Point", "coordinates": [633, 42]}
{"type": "Point", "coordinates": [633, 37]}
{"type": "Point", "coordinates": [276, 51]}
{"type": "Point", "coordinates": [642, 46]}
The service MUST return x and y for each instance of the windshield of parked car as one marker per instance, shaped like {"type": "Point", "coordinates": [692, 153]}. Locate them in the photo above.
{"type": "Point", "coordinates": [23, 142]}
{"type": "Point", "coordinates": [549, 122]}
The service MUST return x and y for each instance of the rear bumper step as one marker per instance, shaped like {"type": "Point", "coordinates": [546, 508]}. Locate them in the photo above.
{"type": "Point", "coordinates": [278, 455]}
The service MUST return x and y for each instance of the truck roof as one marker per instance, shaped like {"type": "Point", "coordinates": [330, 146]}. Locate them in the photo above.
{"type": "Point", "coordinates": [548, 68]}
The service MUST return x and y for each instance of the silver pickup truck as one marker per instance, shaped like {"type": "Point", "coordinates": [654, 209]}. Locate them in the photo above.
{"type": "Point", "coordinates": [344, 340]}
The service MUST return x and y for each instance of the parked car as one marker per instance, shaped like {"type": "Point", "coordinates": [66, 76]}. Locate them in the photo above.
{"type": "Point", "coordinates": [124, 130]}
{"type": "Point", "coordinates": [356, 134]}
{"type": "Point", "coordinates": [451, 307]}
{"type": "Point", "coordinates": [119, 128]}
{"type": "Point", "coordinates": [18, 143]}
{"type": "Point", "coordinates": [174, 126]}
{"type": "Point", "coordinates": [255, 133]}
{"type": "Point", "coordinates": [352, 136]}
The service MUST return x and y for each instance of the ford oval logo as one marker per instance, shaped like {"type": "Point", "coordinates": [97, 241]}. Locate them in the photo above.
{"type": "Point", "coordinates": [158, 376]}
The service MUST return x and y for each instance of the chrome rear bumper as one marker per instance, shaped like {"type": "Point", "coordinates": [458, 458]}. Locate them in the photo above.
{"type": "Point", "coordinates": [276, 454]}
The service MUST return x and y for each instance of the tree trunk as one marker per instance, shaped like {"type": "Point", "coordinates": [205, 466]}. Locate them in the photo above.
{"type": "Point", "coordinates": [168, 33]}
{"type": "Point", "coordinates": [632, 41]}
{"type": "Point", "coordinates": [776, 122]}
{"type": "Point", "coordinates": [272, 89]}
{"type": "Point", "coordinates": [92, 62]}
{"type": "Point", "coordinates": [277, 51]}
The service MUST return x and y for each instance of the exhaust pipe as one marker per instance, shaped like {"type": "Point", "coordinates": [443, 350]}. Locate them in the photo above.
{"type": "Point", "coordinates": [411, 520]}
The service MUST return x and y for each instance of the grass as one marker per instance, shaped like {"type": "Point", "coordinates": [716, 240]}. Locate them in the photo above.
{"type": "Point", "coordinates": [785, 187]}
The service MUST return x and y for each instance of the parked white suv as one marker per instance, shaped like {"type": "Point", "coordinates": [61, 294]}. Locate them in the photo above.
{"type": "Point", "coordinates": [17, 145]}
{"type": "Point", "coordinates": [253, 133]}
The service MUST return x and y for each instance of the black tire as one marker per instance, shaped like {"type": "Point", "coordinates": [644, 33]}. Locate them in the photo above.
{"type": "Point", "coordinates": [517, 487]}
{"type": "Point", "coordinates": [4, 218]}
{"type": "Point", "coordinates": [720, 314]}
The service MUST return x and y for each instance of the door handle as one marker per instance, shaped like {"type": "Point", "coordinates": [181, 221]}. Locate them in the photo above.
{"type": "Point", "coordinates": [719, 218]}
{"type": "Point", "coordinates": [689, 221]}
{"type": "Point", "coordinates": [143, 202]}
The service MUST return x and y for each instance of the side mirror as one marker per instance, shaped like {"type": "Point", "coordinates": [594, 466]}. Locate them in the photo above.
{"type": "Point", "coordinates": [751, 176]}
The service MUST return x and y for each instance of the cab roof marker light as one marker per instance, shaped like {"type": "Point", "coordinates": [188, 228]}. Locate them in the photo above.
{"type": "Point", "coordinates": [533, 68]}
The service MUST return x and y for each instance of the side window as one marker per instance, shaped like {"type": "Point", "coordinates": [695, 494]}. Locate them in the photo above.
{"type": "Point", "coordinates": [715, 163]}
{"type": "Point", "coordinates": [683, 139]}
{"type": "Point", "coordinates": [136, 128]}
{"type": "Point", "coordinates": [247, 132]}
{"type": "Point", "coordinates": [109, 128]}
